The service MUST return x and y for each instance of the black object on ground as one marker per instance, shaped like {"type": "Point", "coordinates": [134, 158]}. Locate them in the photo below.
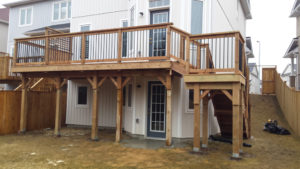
{"type": "Point", "coordinates": [225, 140]}
{"type": "Point", "coordinates": [273, 127]}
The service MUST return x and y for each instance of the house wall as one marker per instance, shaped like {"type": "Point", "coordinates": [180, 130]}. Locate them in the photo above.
{"type": "Point", "coordinates": [219, 16]}
{"type": "Point", "coordinates": [228, 16]}
{"type": "Point", "coordinates": [42, 17]}
{"type": "Point", "coordinates": [3, 36]}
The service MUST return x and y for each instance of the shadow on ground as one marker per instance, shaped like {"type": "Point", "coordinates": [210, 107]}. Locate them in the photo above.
{"type": "Point", "coordinates": [41, 149]}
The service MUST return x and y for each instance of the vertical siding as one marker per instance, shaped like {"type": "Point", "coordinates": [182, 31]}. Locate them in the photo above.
{"type": "Point", "coordinates": [82, 116]}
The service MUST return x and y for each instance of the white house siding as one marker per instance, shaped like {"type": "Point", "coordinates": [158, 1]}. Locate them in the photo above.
{"type": "Point", "coordinates": [3, 36]}
{"type": "Point", "coordinates": [102, 14]}
{"type": "Point", "coordinates": [228, 16]}
{"type": "Point", "coordinates": [77, 115]}
{"type": "Point", "coordinates": [133, 121]}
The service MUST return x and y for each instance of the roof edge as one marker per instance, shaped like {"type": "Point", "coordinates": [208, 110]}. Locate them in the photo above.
{"type": "Point", "coordinates": [22, 2]}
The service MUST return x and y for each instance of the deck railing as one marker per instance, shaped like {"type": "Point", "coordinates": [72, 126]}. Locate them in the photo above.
{"type": "Point", "coordinates": [206, 53]}
{"type": "Point", "coordinates": [6, 63]}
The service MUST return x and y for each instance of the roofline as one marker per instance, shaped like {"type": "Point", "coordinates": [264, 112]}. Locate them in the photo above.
{"type": "Point", "coordinates": [294, 9]}
{"type": "Point", "coordinates": [3, 21]}
{"type": "Point", "coordinates": [287, 53]}
{"type": "Point", "coordinates": [21, 2]}
{"type": "Point", "coordinates": [246, 8]}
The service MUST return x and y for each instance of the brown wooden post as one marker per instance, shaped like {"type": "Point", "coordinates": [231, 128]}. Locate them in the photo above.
{"type": "Point", "coordinates": [15, 54]}
{"type": "Point", "coordinates": [196, 146]}
{"type": "Point", "coordinates": [237, 52]}
{"type": "Point", "coordinates": [83, 48]}
{"type": "Point", "coordinates": [182, 47]}
{"type": "Point", "coordinates": [169, 111]}
{"type": "Point", "coordinates": [236, 113]}
{"type": "Point", "coordinates": [94, 135]}
{"type": "Point", "coordinates": [119, 109]}
{"type": "Point", "coordinates": [120, 39]}
{"type": "Point", "coordinates": [198, 57]}
{"type": "Point", "coordinates": [168, 54]}
{"type": "Point", "coordinates": [57, 128]}
{"type": "Point", "coordinates": [205, 123]}
{"type": "Point", "coordinates": [47, 50]}
{"type": "Point", "coordinates": [241, 120]}
{"type": "Point", "coordinates": [23, 116]}
{"type": "Point", "coordinates": [187, 54]}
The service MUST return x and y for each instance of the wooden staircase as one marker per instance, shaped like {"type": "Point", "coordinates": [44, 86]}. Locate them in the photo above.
{"type": "Point", "coordinates": [223, 112]}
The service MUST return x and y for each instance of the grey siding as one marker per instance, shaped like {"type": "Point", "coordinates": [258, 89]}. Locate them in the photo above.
{"type": "Point", "coordinates": [3, 36]}
{"type": "Point", "coordinates": [42, 16]}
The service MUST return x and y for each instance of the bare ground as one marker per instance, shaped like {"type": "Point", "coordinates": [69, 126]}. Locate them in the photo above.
{"type": "Point", "coordinates": [74, 149]}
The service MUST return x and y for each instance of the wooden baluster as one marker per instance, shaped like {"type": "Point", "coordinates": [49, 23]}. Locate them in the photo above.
{"type": "Point", "coordinates": [120, 47]}
{"type": "Point", "coordinates": [83, 48]}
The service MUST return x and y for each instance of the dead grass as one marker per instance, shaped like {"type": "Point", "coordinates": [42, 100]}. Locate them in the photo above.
{"type": "Point", "coordinates": [74, 149]}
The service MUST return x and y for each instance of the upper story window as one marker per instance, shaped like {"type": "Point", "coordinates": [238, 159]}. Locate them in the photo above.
{"type": "Point", "coordinates": [26, 16]}
{"type": "Point", "coordinates": [62, 10]}
{"type": "Point", "coordinates": [158, 3]}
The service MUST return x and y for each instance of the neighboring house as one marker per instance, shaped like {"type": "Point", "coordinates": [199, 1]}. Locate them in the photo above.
{"type": "Point", "coordinates": [145, 97]}
{"type": "Point", "coordinates": [293, 50]}
{"type": "Point", "coordinates": [4, 18]}
{"type": "Point", "coordinates": [194, 16]}
{"type": "Point", "coordinates": [288, 75]}
{"type": "Point", "coordinates": [31, 17]}
{"type": "Point", "coordinates": [254, 79]}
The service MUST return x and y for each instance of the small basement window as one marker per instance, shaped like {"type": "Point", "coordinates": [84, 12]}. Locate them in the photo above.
{"type": "Point", "coordinates": [191, 99]}
{"type": "Point", "coordinates": [82, 95]}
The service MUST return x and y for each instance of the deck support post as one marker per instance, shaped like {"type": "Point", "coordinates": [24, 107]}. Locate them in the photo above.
{"type": "Point", "coordinates": [236, 118]}
{"type": "Point", "coordinates": [58, 86]}
{"type": "Point", "coordinates": [196, 144]}
{"type": "Point", "coordinates": [94, 133]}
{"type": "Point", "coordinates": [119, 109]}
{"type": "Point", "coordinates": [169, 111]}
{"type": "Point", "coordinates": [205, 123]}
{"type": "Point", "coordinates": [24, 105]}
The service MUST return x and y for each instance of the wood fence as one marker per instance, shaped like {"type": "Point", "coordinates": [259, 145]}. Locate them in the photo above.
{"type": "Point", "coordinates": [41, 111]}
{"type": "Point", "coordinates": [289, 101]}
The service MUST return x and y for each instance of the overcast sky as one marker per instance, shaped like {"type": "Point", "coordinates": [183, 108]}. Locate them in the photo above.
{"type": "Point", "coordinates": [272, 26]}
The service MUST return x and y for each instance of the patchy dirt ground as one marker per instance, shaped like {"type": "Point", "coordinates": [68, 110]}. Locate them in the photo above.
{"type": "Point", "coordinates": [74, 149]}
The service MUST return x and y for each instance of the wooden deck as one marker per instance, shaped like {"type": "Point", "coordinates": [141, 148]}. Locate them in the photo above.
{"type": "Point", "coordinates": [6, 74]}
{"type": "Point", "coordinates": [209, 63]}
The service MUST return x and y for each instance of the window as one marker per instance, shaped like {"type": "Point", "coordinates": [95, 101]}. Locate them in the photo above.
{"type": "Point", "coordinates": [158, 3]}
{"type": "Point", "coordinates": [82, 95]}
{"type": "Point", "coordinates": [191, 99]}
{"type": "Point", "coordinates": [129, 94]}
{"type": "Point", "coordinates": [62, 10]}
{"type": "Point", "coordinates": [25, 16]}
{"type": "Point", "coordinates": [84, 28]}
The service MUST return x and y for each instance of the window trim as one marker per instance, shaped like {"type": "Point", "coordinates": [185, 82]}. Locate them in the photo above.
{"type": "Point", "coordinates": [159, 7]}
{"type": "Point", "coordinates": [59, 11]}
{"type": "Point", "coordinates": [26, 8]}
{"type": "Point", "coordinates": [188, 110]}
{"type": "Point", "coordinates": [87, 95]}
